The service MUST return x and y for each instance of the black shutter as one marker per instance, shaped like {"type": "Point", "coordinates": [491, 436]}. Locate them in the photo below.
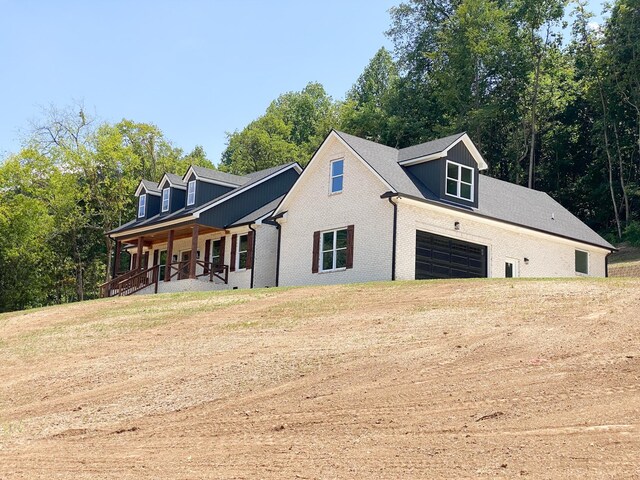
{"type": "Point", "coordinates": [316, 252]}
{"type": "Point", "coordinates": [350, 246]}
{"type": "Point", "coordinates": [234, 244]}
{"type": "Point", "coordinates": [222, 242]}
{"type": "Point", "coordinates": [250, 249]}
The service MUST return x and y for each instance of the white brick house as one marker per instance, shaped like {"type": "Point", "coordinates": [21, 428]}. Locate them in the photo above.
{"type": "Point", "coordinates": [361, 211]}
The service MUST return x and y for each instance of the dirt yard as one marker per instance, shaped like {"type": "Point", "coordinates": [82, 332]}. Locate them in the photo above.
{"type": "Point", "coordinates": [446, 379]}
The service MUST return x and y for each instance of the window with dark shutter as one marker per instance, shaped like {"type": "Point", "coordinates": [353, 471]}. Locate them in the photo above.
{"type": "Point", "coordinates": [234, 243]}
{"type": "Point", "coordinates": [250, 240]}
{"type": "Point", "coordinates": [316, 252]}
{"type": "Point", "coordinates": [155, 257]}
{"type": "Point", "coordinates": [222, 245]}
{"type": "Point", "coordinates": [207, 255]}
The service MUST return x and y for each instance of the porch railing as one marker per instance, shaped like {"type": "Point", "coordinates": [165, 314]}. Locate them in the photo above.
{"type": "Point", "coordinates": [110, 288]}
{"type": "Point", "coordinates": [139, 281]}
{"type": "Point", "coordinates": [182, 269]}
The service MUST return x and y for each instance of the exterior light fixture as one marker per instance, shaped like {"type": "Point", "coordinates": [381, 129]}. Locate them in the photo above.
{"type": "Point", "coordinates": [526, 261]}
{"type": "Point", "coordinates": [456, 225]}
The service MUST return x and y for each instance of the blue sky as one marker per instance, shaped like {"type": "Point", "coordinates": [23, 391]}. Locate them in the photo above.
{"type": "Point", "coordinates": [195, 68]}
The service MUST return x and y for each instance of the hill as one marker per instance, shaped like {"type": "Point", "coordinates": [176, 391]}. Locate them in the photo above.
{"type": "Point", "coordinates": [438, 379]}
{"type": "Point", "coordinates": [625, 262]}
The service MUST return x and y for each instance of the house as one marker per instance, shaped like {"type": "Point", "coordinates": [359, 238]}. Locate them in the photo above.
{"type": "Point", "coordinates": [205, 230]}
{"type": "Point", "coordinates": [361, 211]}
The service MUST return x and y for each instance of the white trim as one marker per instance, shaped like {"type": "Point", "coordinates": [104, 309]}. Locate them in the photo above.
{"type": "Point", "coordinates": [334, 250]}
{"type": "Point", "coordinates": [507, 226]}
{"type": "Point", "coordinates": [195, 186]}
{"type": "Point", "coordinates": [173, 185]}
{"type": "Point", "coordinates": [168, 190]}
{"type": "Point", "coordinates": [351, 150]}
{"type": "Point", "coordinates": [482, 164]}
{"type": "Point", "coordinates": [246, 187]}
{"type": "Point", "coordinates": [154, 226]}
{"type": "Point", "coordinates": [459, 181]}
{"type": "Point", "coordinates": [142, 187]}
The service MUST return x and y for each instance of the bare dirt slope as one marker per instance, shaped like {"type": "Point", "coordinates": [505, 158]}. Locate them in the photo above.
{"type": "Point", "coordinates": [446, 379]}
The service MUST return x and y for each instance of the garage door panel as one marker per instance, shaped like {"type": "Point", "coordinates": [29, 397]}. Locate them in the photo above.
{"type": "Point", "coordinates": [442, 257]}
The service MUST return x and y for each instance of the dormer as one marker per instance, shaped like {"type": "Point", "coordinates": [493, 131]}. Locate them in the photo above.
{"type": "Point", "coordinates": [172, 193]}
{"type": "Point", "coordinates": [148, 195]}
{"type": "Point", "coordinates": [205, 184]}
{"type": "Point", "coordinates": [449, 167]}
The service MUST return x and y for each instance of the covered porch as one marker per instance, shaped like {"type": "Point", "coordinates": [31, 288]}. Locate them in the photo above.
{"type": "Point", "coordinates": [188, 251]}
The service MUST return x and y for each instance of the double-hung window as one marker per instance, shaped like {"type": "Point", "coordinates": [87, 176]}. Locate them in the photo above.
{"type": "Point", "coordinates": [243, 249]}
{"type": "Point", "coordinates": [333, 254]}
{"type": "Point", "coordinates": [215, 252]}
{"type": "Point", "coordinates": [142, 205]}
{"type": "Point", "coordinates": [459, 181]}
{"type": "Point", "coordinates": [191, 193]}
{"type": "Point", "coordinates": [165, 199]}
{"type": "Point", "coordinates": [337, 175]}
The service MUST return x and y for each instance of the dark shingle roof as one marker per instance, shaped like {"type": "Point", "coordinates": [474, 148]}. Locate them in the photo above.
{"type": "Point", "coordinates": [427, 148]}
{"type": "Point", "coordinates": [217, 175]}
{"type": "Point", "coordinates": [175, 179]}
{"type": "Point", "coordinates": [259, 213]}
{"type": "Point", "coordinates": [497, 199]}
{"type": "Point", "coordinates": [150, 186]}
{"type": "Point", "coordinates": [250, 180]}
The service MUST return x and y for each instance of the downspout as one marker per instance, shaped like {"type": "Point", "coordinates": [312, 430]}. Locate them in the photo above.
{"type": "Point", "coordinates": [390, 196]}
{"type": "Point", "coordinates": [253, 253]}
{"type": "Point", "coordinates": [278, 255]}
{"type": "Point", "coordinates": [606, 265]}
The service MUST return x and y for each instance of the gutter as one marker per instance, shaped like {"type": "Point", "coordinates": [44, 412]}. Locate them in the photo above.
{"type": "Point", "coordinates": [390, 196]}
{"type": "Point", "coordinates": [253, 254]}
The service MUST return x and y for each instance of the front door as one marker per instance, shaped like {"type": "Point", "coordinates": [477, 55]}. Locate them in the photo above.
{"type": "Point", "coordinates": [185, 258]}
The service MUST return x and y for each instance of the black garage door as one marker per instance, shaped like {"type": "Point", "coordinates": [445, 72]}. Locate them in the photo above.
{"type": "Point", "coordinates": [443, 257]}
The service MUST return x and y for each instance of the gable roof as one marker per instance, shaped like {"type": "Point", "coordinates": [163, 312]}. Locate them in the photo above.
{"type": "Point", "coordinates": [149, 186]}
{"type": "Point", "coordinates": [174, 180]}
{"type": "Point", "coordinates": [497, 199]}
{"type": "Point", "coordinates": [215, 176]}
{"type": "Point", "coordinates": [191, 213]}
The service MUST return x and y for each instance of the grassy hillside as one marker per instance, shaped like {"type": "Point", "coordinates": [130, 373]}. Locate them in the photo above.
{"type": "Point", "coordinates": [625, 262]}
{"type": "Point", "coordinates": [443, 379]}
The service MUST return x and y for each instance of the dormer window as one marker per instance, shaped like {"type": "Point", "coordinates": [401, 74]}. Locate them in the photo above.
{"type": "Point", "coordinates": [142, 205]}
{"type": "Point", "coordinates": [459, 181]}
{"type": "Point", "coordinates": [191, 193]}
{"type": "Point", "coordinates": [165, 199]}
{"type": "Point", "coordinates": [337, 175]}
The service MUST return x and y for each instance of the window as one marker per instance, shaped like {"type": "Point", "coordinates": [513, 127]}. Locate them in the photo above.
{"type": "Point", "coordinates": [215, 252]}
{"type": "Point", "coordinates": [165, 199]}
{"type": "Point", "coordinates": [337, 175]}
{"type": "Point", "coordinates": [142, 205]}
{"type": "Point", "coordinates": [511, 268]}
{"type": "Point", "coordinates": [459, 181]}
{"type": "Point", "coordinates": [162, 263]}
{"type": "Point", "coordinates": [191, 193]}
{"type": "Point", "coordinates": [582, 262]}
{"type": "Point", "coordinates": [333, 255]}
{"type": "Point", "coordinates": [243, 244]}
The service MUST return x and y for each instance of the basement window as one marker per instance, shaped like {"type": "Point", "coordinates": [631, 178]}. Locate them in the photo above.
{"type": "Point", "coordinates": [582, 262]}
{"type": "Point", "coordinates": [459, 181]}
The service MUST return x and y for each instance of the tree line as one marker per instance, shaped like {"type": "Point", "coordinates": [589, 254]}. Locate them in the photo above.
{"type": "Point", "coordinates": [551, 99]}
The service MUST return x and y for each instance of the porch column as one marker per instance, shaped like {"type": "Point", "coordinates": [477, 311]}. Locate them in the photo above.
{"type": "Point", "coordinates": [167, 267]}
{"type": "Point", "coordinates": [116, 259]}
{"type": "Point", "coordinates": [194, 252]}
{"type": "Point", "coordinates": [139, 256]}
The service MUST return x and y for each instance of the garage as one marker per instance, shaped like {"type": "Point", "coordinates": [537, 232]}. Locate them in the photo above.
{"type": "Point", "coordinates": [444, 257]}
